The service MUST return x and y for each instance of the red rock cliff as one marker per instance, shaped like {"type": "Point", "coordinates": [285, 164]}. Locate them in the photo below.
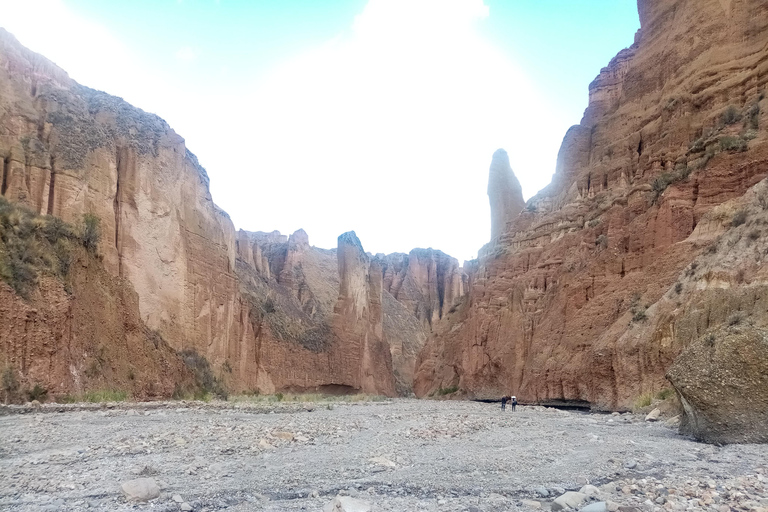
{"type": "Point", "coordinates": [562, 306]}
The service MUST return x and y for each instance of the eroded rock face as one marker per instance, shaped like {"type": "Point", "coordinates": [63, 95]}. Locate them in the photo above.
{"type": "Point", "coordinates": [722, 382]}
{"type": "Point", "coordinates": [90, 337]}
{"type": "Point", "coordinates": [358, 318]}
{"type": "Point", "coordinates": [264, 309]}
{"type": "Point", "coordinates": [504, 193]}
{"type": "Point", "coordinates": [563, 305]}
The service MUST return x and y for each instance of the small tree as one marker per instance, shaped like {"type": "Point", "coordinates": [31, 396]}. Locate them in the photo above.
{"type": "Point", "coordinates": [91, 232]}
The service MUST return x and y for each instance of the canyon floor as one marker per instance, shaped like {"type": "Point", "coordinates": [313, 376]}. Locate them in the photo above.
{"type": "Point", "coordinates": [400, 455]}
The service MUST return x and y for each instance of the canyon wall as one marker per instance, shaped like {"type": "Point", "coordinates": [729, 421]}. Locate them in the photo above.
{"type": "Point", "coordinates": [85, 335]}
{"type": "Point", "coordinates": [269, 312]}
{"type": "Point", "coordinates": [575, 301]}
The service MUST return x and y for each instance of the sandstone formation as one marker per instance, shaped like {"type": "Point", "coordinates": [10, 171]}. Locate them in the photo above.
{"type": "Point", "coordinates": [576, 299]}
{"type": "Point", "coordinates": [504, 193]}
{"type": "Point", "coordinates": [268, 312]}
{"type": "Point", "coordinates": [87, 337]}
{"type": "Point", "coordinates": [722, 381]}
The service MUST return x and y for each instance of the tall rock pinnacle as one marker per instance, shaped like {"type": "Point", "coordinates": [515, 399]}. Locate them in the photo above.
{"type": "Point", "coordinates": [504, 193]}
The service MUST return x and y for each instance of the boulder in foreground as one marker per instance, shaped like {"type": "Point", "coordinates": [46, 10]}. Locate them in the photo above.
{"type": "Point", "coordinates": [140, 489]}
{"type": "Point", "coordinates": [722, 382]}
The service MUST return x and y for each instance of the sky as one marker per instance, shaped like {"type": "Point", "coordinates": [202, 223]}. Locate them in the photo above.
{"type": "Point", "coordinates": [378, 116]}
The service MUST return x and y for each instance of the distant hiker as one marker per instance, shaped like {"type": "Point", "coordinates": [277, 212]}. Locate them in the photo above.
{"type": "Point", "coordinates": [514, 402]}
{"type": "Point", "coordinates": [504, 401]}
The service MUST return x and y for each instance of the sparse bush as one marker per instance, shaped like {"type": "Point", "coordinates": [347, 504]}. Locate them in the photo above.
{"type": "Point", "coordinates": [678, 288]}
{"type": "Point", "coordinates": [665, 393]}
{"type": "Point", "coordinates": [38, 393]}
{"type": "Point", "coordinates": [731, 115]}
{"type": "Point", "coordinates": [30, 244]}
{"type": "Point", "coordinates": [593, 223]}
{"type": "Point", "coordinates": [279, 397]}
{"type": "Point", "coordinates": [206, 382]}
{"type": "Point", "coordinates": [639, 315]}
{"type": "Point", "coordinates": [735, 318]}
{"type": "Point", "coordinates": [269, 306]}
{"type": "Point", "coordinates": [739, 218]}
{"type": "Point", "coordinates": [753, 116]}
{"type": "Point", "coordinates": [733, 144]}
{"type": "Point", "coordinates": [754, 235]}
{"type": "Point", "coordinates": [601, 242]}
{"type": "Point", "coordinates": [91, 232]}
{"type": "Point", "coordinates": [10, 383]}
{"type": "Point", "coordinates": [447, 391]}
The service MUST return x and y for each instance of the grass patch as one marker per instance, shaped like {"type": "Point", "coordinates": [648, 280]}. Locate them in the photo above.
{"type": "Point", "coordinates": [96, 396]}
{"type": "Point", "coordinates": [665, 393]}
{"type": "Point", "coordinates": [447, 391]}
{"type": "Point", "coordinates": [306, 398]}
{"type": "Point", "coordinates": [643, 400]}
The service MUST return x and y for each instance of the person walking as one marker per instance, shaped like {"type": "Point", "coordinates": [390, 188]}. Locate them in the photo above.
{"type": "Point", "coordinates": [504, 401]}
{"type": "Point", "coordinates": [513, 402]}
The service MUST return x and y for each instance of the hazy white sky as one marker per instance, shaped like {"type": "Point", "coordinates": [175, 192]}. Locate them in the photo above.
{"type": "Point", "coordinates": [379, 116]}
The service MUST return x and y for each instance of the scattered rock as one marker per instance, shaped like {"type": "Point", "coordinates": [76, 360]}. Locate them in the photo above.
{"type": "Point", "coordinates": [630, 464]}
{"type": "Point", "coordinates": [285, 436]}
{"type": "Point", "coordinates": [140, 489]}
{"type": "Point", "coordinates": [383, 461]}
{"type": "Point", "coordinates": [673, 422]}
{"type": "Point", "coordinates": [600, 506]}
{"type": "Point", "coordinates": [177, 498]}
{"type": "Point", "coordinates": [347, 504]}
{"type": "Point", "coordinates": [570, 499]}
{"type": "Point", "coordinates": [536, 505]}
{"type": "Point", "coordinates": [589, 490]}
{"type": "Point", "coordinates": [653, 415]}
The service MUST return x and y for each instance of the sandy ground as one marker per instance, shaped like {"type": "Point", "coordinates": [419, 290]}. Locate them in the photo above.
{"type": "Point", "coordinates": [396, 455]}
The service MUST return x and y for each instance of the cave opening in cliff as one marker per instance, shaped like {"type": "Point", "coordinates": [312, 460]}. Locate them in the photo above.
{"type": "Point", "coordinates": [6, 167]}
{"type": "Point", "coordinates": [640, 148]}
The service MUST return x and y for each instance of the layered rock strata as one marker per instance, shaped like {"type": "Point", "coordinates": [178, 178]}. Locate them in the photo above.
{"type": "Point", "coordinates": [269, 312]}
{"type": "Point", "coordinates": [84, 337]}
{"type": "Point", "coordinates": [558, 307]}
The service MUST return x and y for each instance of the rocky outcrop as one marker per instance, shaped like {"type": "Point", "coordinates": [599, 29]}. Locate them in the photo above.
{"type": "Point", "coordinates": [504, 193]}
{"type": "Point", "coordinates": [358, 317]}
{"type": "Point", "coordinates": [70, 150]}
{"type": "Point", "coordinates": [269, 312]}
{"type": "Point", "coordinates": [426, 281]}
{"type": "Point", "coordinates": [563, 306]}
{"type": "Point", "coordinates": [722, 382]}
{"type": "Point", "coordinates": [85, 336]}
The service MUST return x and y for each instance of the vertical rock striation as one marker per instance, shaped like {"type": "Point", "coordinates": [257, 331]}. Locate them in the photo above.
{"type": "Point", "coordinates": [563, 307]}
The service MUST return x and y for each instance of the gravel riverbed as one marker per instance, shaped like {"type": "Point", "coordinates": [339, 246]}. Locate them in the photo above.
{"type": "Point", "coordinates": [400, 455]}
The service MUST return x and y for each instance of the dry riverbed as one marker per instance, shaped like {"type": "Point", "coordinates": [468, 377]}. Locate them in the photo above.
{"type": "Point", "coordinates": [401, 455]}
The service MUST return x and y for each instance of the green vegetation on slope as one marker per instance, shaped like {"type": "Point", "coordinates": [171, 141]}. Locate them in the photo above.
{"type": "Point", "coordinates": [31, 244]}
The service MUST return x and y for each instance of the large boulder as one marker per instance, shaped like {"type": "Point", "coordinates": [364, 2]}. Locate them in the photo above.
{"type": "Point", "coordinates": [722, 382]}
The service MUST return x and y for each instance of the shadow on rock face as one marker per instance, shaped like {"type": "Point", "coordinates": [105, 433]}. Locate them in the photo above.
{"type": "Point", "coordinates": [722, 382]}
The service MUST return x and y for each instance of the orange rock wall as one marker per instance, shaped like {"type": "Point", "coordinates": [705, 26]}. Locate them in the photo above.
{"type": "Point", "coordinates": [550, 305]}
